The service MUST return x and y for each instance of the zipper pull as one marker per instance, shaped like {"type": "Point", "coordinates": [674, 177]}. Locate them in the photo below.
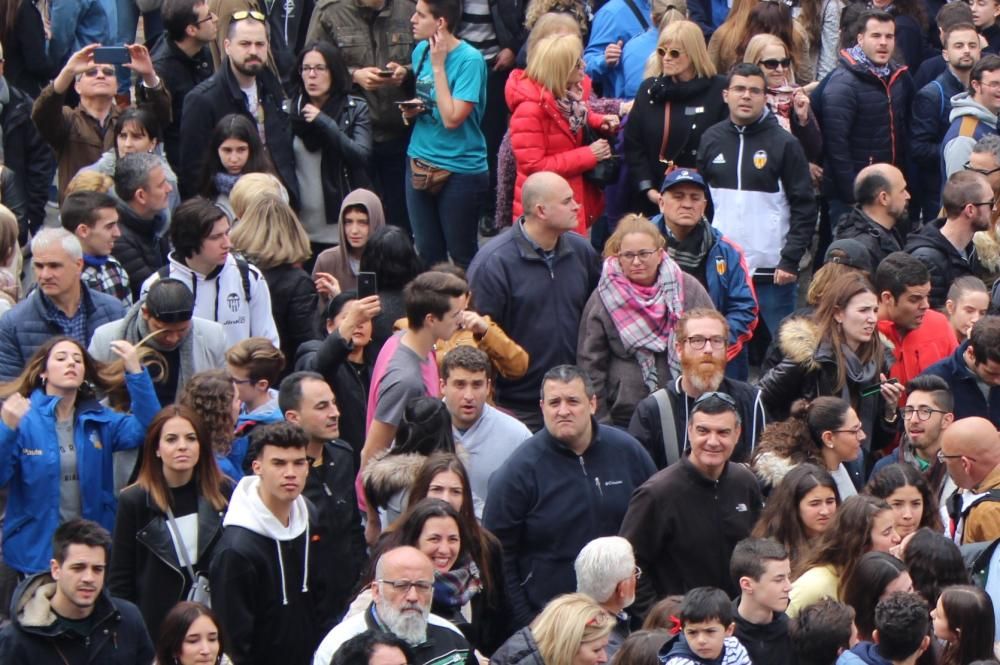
{"type": "Point", "coordinates": [597, 482]}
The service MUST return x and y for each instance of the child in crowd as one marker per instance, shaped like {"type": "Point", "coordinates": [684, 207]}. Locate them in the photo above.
{"type": "Point", "coordinates": [761, 569]}
{"type": "Point", "coordinates": [707, 627]}
{"type": "Point", "coordinates": [822, 631]}
{"type": "Point", "coordinates": [900, 636]}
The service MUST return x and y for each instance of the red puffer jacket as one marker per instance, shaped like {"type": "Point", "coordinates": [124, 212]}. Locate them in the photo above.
{"type": "Point", "coordinates": [542, 141]}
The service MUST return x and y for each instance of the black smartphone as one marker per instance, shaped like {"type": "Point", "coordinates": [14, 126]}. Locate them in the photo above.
{"type": "Point", "coordinates": [111, 55]}
{"type": "Point", "coordinates": [867, 391]}
{"type": "Point", "coordinates": [386, 73]}
{"type": "Point", "coordinates": [409, 105]}
{"type": "Point", "coordinates": [366, 285]}
{"type": "Point", "coordinates": [763, 276]}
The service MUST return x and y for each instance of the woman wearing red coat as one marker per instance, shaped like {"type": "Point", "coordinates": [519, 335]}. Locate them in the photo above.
{"type": "Point", "coordinates": [549, 111]}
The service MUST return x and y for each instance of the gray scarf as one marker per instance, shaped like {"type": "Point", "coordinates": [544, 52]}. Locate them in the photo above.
{"type": "Point", "coordinates": [136, 328]}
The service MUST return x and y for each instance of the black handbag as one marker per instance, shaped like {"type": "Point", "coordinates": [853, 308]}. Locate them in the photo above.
{"type": "Point", "coordinates": [608, 170]}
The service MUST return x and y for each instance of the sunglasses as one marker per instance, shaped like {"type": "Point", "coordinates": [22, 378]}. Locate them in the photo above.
{"type": "Point", "coordinates": [247, 13]}
{"type": "Point", "coordinates": [94, 71]}
{"type": "Point", "coordinates": [673, 53]}
{"type": "Point", "coordinates": [725, 397]}
{"type": "Point", "coordinates": [774, 63]}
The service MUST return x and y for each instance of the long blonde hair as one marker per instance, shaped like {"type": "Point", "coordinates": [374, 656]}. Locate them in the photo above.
{"type": "Point", "coordinates": [249, 186]}
{"type": "Point", "coordinates": [552, 60]}
{"type": "Point", "coordinates": [270, 234]}
{"type": "Point", "coordinates": [759, 42]}
{"type": "Point", "coordinates": [567, 622]}
{"type": "Point", "coordinates": [687, 36]}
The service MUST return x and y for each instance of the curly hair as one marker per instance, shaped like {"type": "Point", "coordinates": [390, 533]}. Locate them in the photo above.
{"type": "Point", "coordinates": [210, 394]}
{"type": "Point", "coordinates": [578, 10]}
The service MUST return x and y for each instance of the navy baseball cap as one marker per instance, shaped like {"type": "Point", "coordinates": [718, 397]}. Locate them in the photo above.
{"type": "Point", "coordinates": [681, 176]}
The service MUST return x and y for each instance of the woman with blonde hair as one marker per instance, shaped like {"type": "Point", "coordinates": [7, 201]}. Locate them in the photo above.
{"type": "Point", "coordinates": [571, 629]}
{"type": "Point", "coordinates": [90, 181]}
{"type": "Point", "coordinates": [787, 101]}
{"type": "Point", "coordinates": [638, 52]}
{"type": "Point", "coordinates": [680, 99]}
{"type": "Point", "coordinates": [251, 185]}
{"type": "Point", "coordinates": [627, 342]}
{"type": "Point", "coordinates": [10, 260]}
{"type": "Point", "coordinates": [270, 236]}
{"type": "Point", "coordinates": [752, 17]}
{"type": "Point", "coordinates": [549, 115]}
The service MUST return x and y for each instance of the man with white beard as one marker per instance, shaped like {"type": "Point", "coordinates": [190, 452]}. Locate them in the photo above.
{"type": "Point", "coordinates": [402, 592]}
{"type": "Point", "coordinates": [702, 342]}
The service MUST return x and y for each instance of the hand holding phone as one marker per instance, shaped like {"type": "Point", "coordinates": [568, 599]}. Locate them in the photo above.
{"type": "Point", "coordinates": [111, 55]}
{"type": "Point", "coordinates": [367, 285]}
{"type": "Point", "coordinates": [868, 391]}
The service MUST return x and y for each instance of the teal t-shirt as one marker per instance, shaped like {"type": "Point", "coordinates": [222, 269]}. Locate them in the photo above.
{"type": "Point", "coordinates": [463, 149]}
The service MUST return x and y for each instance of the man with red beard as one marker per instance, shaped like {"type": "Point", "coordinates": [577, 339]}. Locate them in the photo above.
{"type": "Point", "coordinates": [702, 342]}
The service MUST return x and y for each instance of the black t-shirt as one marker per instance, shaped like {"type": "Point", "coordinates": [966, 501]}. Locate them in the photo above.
{"type": "Point", "coordinates": [80, 627]}
{"type": "Point", "coordinates": [166, 387]}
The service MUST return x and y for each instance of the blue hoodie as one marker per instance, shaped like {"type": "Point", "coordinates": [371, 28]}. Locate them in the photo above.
{"type": "Point", "coordinates": [613, 22]}
{"type": "Point", "coordinates": [862, 653]}
{"type": "Point", "coordinates": [232, 464]}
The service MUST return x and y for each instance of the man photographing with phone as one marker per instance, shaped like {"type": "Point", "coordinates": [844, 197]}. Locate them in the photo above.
{"type": "Point", "coordinates": [79, 136]}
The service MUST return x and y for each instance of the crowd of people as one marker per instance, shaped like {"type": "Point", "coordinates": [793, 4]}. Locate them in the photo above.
{"type": "Point", "coordinates": [452, 332]}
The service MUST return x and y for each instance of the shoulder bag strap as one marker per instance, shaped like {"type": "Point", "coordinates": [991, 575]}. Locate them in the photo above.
{"type": "Point", "coordinates": [667, 425]}
{"type": "Point", "coordinates": [176, 533]}
{"type": "Point", "coordinates": [666, 135]}
{"type": "Point", "coordinates": [638, 15]}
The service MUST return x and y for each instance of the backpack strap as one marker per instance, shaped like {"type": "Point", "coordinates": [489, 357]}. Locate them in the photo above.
{"type": "Point", "coordinates": [244, 268]}
{"type": "Point", "coordinates": [643, 21]}
{"type": "Point", "coordinates": [940, 95]}
{"type": "Point", "coordinates": [667, 425]}
{"type": "Point", "coordinates": [968, 126]}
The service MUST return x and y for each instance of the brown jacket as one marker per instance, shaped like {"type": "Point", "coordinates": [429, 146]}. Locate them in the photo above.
{"type": "Point", "coordinates": [508, 358]}
{"type": "Point", "coordinates": [983, 521]}
{"type": "Point", "coordinates": [77, 138]}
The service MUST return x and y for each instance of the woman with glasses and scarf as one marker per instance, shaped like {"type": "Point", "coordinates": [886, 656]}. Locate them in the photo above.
{"type": "Point", "coordinates": [680, 99]}
{"type": "Point", "coordinates": [838, 352]}
{"type": "Point", "coordinates": [627, 337]}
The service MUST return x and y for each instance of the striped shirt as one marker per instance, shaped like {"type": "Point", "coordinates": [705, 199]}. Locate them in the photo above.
{"type": "Point", "coordinates": [477, 28]}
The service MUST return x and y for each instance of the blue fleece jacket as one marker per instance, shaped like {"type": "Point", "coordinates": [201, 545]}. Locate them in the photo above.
{"type": "Point", "coordinates": [614, 22]}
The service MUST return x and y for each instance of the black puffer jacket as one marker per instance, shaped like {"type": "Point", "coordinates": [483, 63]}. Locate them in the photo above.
{"type": "Point", "coordinates": [142, 247]}
{"type": "Point", "coordinates": [180, 73]}
{"type": "Point", "coordinates": [29, 157]}
{"type": "Point", "coordinates": [864, 120]}
{"type": "Point", "coordinates": [294, 304]}
{"type": "Point", "coordinates": [945, 263]}
{"type": "Point", "coordinates": [117, 636]}
{"type": "Point", "coordinates": [878, 240]}
{"type": "Point", "coordinates": [343, 132]}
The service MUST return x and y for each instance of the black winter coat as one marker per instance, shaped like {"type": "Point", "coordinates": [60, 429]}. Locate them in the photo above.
{"type": "Point", "coordinates": [695, 106]}
{"type": "Point", "coordinates": [330, 486]}
{"type": "Point", "coordinates": [220, 95]}
{"type": "Point", "coordinates": [26, 65]}
{"type": "Point", "coordinates": [329, 358]}
{"type": "Point", "coordinates": [943, 261]}
{"type": "Point", "coordinates": [117, 636]}
{"type": "Point", "coordinates": [180, 74]}
{"type": "Point", "coordinates": [141, 248]}
{"type": "Point", "coordinates": [144, 567]}
{"type": "Point", "coordinates": [294, 304]}
{"type": "Point", "coordinates": [345, 136]}
{"type": "Point", "coordinates": [864, 120]}
{"type": "Point", "coordinates": [29, 157]}
{"type": "Point", "coordinates": [878, 240]}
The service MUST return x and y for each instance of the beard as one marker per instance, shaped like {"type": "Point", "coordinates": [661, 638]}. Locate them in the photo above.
{"type": "Point", "coordinates": [249, 68]}
{"type": "Point", "coordinates": [405, 623]}
{"type": "Point", "coordinates": [703, 377]}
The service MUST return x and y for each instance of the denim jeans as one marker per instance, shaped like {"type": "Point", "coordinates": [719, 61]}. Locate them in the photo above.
{"type": "Point", "coordinates": [388, 165]}
{"type": "Point", "coordinates": [446, 224]}
{"type": "Point", "coordinates": [775, 303]}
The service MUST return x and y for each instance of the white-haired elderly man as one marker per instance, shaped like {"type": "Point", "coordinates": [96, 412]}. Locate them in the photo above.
{"type": "Point", "coordinates": [61, 305]}
{"type": "Point", "coordinates": [606, 571]}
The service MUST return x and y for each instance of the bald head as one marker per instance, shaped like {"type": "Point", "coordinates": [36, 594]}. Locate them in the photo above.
{"type": "Point", "coordinates": [539, 188]}
{"type": "Point", "coordinates": [875, 184]}
{"type": "Point", "coordinates": [972, 450]}
{"type": "Point", "coordinates": [408, 558]}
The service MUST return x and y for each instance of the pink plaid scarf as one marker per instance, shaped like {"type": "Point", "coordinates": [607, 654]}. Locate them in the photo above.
{"type": "Point", "coordinates": [645, 316]}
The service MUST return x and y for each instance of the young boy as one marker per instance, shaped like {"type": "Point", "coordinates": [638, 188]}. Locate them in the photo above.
{"type": "Point", "coordinates": [707, 626]}
{"type": "Point", "coordinates": [822, 632]}
{"type": "Point", "coordinates": [900, 637]}
{"type": "Point", "coordinates": [760, 568]}
{"type": "Point", "coordinates": [255, 365]}
{"type": "Point", "coordinates": [967, 302]}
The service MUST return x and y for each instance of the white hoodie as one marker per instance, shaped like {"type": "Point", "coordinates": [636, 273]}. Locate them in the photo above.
{"type": "Point", "coordinates": [247, 509]}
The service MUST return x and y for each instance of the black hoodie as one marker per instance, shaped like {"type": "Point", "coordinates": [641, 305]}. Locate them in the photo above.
{"type": "Point", "coordinates": [945, 263]}
{"type": "Point", "coordinates": [765, 642]}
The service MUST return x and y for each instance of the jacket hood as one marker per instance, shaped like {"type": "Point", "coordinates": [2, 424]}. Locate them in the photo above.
{"type": "Point", "coordinates": [371, 202]}
{"type": "Point", "coordinates": [520, 649]}
{"type": "Point", "coordinates": [771, 468]}
{"type": "Point", "coordinates": [262, 415]}
{"type": "Point", "coordinates": [522, 89]}
{"type": "Point", "coordinates": [930, 236]}
{"type": "Point", "coordinates": [963, 105]}
{"type": "Point", "coordinates": [680, 648]}
{"type": "Point", "coordinates": [987, 246]}
{"type": "Point", "coordinates": [868, 652]}
{"type": "Point", "coordinates": [798, 339]}
{"type": "Point", "coordinates": [31, 605]}
{"type": "Point", "coordinates": [854, 223]}
{"type": "Point", "coordinates": [247, 510]}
